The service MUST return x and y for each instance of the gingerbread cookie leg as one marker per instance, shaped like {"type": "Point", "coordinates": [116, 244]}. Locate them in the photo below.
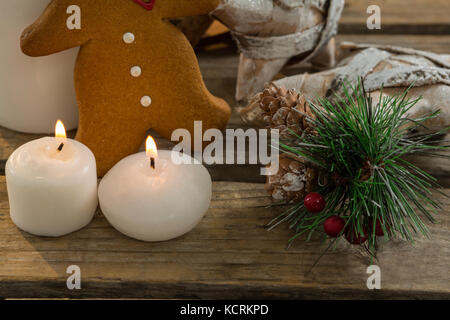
{"type": "Point", "coordinates": [213, 112]}
{"type": "Point", "coordinates": [109, 139]}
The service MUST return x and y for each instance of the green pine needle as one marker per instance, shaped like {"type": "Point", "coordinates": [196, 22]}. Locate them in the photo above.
{"type": "Point", "coordinates": [355, 137]}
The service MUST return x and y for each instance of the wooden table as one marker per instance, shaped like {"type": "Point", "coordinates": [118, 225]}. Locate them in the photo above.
{"type": "Point", "coordinates": [230, 254]}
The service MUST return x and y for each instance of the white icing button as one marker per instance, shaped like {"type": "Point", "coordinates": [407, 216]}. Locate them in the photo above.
{"type": "Point", "coordinates": [128, 38]}
{"type": "Point", "coordinates": [136, 71]}
{"type": "Point", "coordinates": [146, 101]}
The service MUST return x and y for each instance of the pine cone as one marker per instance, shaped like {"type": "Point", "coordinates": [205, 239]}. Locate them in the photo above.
{"type": "Point", "coordinates": [285, 110]}
{"type": "Point", "coordinates": [293, 181]}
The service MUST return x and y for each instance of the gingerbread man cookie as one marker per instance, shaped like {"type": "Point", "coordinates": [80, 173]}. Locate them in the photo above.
{"type": "Point", "coordinates": [135, 70]}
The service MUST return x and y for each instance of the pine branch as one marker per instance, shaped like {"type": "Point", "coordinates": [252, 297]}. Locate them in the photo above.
{"type": "Point", "coordinates": [359, 146]}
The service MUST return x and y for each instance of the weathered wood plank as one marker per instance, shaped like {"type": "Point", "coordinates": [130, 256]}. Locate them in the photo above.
{"type": "Point", "coordinates": [398, 16]}
{"type": "Point", "coordinates": [229, 255]}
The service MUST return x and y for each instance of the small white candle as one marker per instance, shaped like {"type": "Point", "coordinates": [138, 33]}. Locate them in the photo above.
{"type": "Point", "coordinates": [52, 185]}
{"type": "Point", "coordinates": [155, 203]}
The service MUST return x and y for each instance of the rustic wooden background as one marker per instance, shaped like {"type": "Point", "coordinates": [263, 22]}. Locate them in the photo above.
{"type": "Point", "coordinates": [230, 254]}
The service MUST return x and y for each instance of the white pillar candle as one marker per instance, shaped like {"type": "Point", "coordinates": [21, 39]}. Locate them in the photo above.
{"type": "Point", "coordinates": [52, 186]}
{"type": "Point", "coordinates": [34, 92]}
{"type": "Point", "coordinates": [155, 204]}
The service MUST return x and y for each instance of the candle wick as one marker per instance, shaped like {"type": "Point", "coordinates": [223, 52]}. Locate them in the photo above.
{"type": "Point", "coordinates": [61, 146]}
{"type": "Point", "coordinates": [152, 163]}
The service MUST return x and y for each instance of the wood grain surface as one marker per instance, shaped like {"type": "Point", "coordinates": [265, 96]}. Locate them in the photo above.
{"type": "Point", "coordinates": [398, 16]}
{"type": "Point", "coordinates": [413, 17]}
{"type": "Point", "coordinates": [229, 255]}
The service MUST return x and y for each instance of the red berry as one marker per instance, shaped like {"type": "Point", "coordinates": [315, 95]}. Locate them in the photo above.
{"type": "Point", "coordinates": [314, 202]}
{"type": "Point", "coordinates": [333, 226]}
{"type": "Point", "coordinates": [354, 237]}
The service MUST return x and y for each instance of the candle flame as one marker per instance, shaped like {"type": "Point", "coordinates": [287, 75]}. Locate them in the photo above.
{"type": "Point", "coordinates": [60, 131]}
{"type": "Point", "coordinates": [150, 147]}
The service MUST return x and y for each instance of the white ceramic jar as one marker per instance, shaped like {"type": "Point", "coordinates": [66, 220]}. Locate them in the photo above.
{"type": "Point", "coordinates": [34, 92]}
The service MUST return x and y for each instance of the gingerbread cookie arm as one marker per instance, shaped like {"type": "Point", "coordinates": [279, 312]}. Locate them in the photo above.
{"type": "Point", "coordinates": [51, 32]}
{"type": "Point", "coordinates": [185, 8]}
